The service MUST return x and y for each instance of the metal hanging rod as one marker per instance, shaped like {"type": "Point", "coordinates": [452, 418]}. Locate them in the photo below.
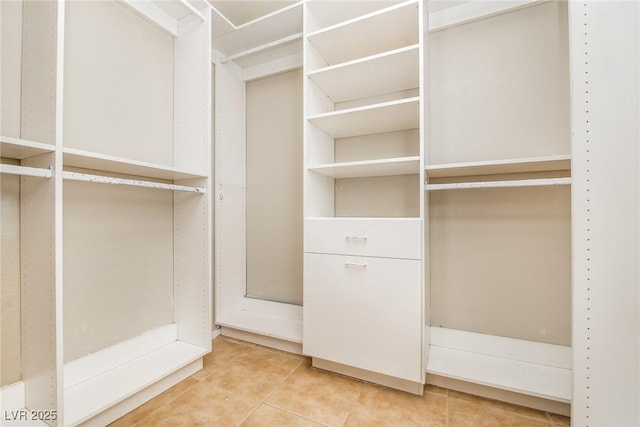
{"type": "Point", "coordinates": [499, 184]}
{"type": "Point", "coordinates": [75, 176]}
{"type": "Point", "coordinates": [26, 171]}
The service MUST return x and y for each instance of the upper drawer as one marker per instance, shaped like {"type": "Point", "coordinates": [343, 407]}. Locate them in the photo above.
{"type": "Point", "coordinates": [391, 238]}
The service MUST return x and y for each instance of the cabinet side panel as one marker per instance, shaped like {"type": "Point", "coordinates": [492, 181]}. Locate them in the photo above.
{"type": "Point", "coordinates": [118, 264]}
{"type": "Point", "coordinates": [118, 83]}
{"type": "Point", "coordinates": [38, 299]}
{"type": "Point", "coordinates": [192, 89]}
{"type": "Point", "coordinates": [230, 206]}
{"type": "Point", "coordinates": [10, 84]}
{"type": "Point", "coordinates": [192, 258]}
{"type": "Point", "coordinates": [274, 187]}
{"type": "Point", "coordinates": [39, 49]}
{"type": "Point", "coordinates": [605, 61]}
{"type": "Point", "coordinates": [10, 279]}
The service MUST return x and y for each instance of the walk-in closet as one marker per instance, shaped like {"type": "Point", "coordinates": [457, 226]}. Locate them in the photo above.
{"type": "Point", "coordinates": [403, 192]}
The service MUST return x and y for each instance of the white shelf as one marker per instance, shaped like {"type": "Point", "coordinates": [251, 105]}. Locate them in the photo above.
{"type": "Point", "coordinates": [274, 26]}
{"type": "Point", "coordinates": [370, 168]}
{"type": "Point", "coordinates": [470, 11]}
{"type": "Point", "coordinates": [368, 34]}
{"type": "Point", "coordinates": [377, 118]}
{"type": "Point", "coordinates": [540, 182]}
{"type": "Point", "coordinates": [496, 167]}
{"type": "Point", "coordinates": [91, 397]}
{"type": "Point", "coordinates": [387, 72]}
{"type": "Point", "coordinates": [106, 163]}
{"type": "Point", "coordinates": [533, 368]}
{"type": "Point", "coordinates": [165, 13]}
{"type": "Point", "coordinates": [15, 148]}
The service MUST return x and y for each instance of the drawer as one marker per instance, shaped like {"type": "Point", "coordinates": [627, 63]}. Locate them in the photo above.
{"type": "Point", "coordinates": [364, 312]}
{"type": "Point", "coordinates": [390, 238]}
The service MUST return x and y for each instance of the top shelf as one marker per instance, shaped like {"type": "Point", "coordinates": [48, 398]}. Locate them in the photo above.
{"type": "Point", "coordinates": [497, 167]}
{"type": "Point", "coordinates": [366, 35]}
{"type": "Point", "coordinates": [470, 11]}
{"type": "Point", "coordinates": [15, 148]}
{"type": "Point", "coordinates": [167, 13]}
{"type": "Point", "coordinates": [275, 26]}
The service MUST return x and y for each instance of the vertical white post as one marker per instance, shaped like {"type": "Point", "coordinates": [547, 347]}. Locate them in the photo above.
{"type": "Point", "coordinates": [605, 50]}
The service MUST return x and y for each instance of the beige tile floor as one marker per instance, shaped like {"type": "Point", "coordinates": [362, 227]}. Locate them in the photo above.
{"type": "Point", "coordinates": [245, 385]}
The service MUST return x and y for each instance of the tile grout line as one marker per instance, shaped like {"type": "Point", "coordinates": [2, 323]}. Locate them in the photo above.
{"type": "Point", "coordinates": [264, 400]}
{"type": "Point", "coordinates": [137, 423]}
{"type": "Point", "coordinates": [295, 415]}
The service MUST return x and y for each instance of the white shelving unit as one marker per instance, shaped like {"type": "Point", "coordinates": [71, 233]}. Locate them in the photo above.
{"type": "Point", "coordinates": [468, 347]}
{"type": "Point", "coordinates": [260, 48]}
{"type": "Point", "coordinates": [96, 383]}
{"type": "Point", "coordinates": [363, 90]}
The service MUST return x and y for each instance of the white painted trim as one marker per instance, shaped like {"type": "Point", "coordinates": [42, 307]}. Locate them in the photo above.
{"type": "Point", "coordinates": [216, 333]}
{"type": "Point", "coordinates": [98, 179]}
{"type": "Point", "coordinates": [534, 402]}
{"type": "Point", "coordinates": [375, 377]}
{"type": "Point", "coordinates": [25, 171]}
{"type": "Point", "coordinates": [101, 361]}
{"type": "Point", "coordinates": [474, 10]}
{"type": "Point", "coordinates": [266, 341]}
{"type": "Point", "coordinates": [129, 404]}
{"type": "Point", "coordinates": [12, 397]}
{"type": "Point", "coordinates": [91, 398]}
{"type": "Point", "coordinates": [513, 375]}
{"type": "Point", "coordinates": [558, 356]}
{"type": "Point", "coordinates": [499, 184]}
{"type": "Point", "coordinates": [154, 14]}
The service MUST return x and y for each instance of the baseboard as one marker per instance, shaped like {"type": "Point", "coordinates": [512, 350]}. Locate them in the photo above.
{"type": "Point", "coordinates": [215, 333]}
{"type": "Point", "coordinates": [374, 377]}
{"type": "Point", "coordinates": [132, 402]}
{"type": "Point", "coordinates": [267, 341]}
{"type": "Point", "coordinates": [534, 402]}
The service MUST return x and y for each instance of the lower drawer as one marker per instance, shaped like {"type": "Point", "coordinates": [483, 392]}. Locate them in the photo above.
{"type": "Point", "coordinates": [364, 312]}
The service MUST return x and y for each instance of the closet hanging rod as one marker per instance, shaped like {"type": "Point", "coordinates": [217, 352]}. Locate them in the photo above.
{"type": "Point", "coordinates": [260, 48]}
{"type": "Point", "coordinates": [499, 184]}
{"type": "Point", "coordinates": [25, 171]}
{"type": "Point", "coordinates": [98, 179]}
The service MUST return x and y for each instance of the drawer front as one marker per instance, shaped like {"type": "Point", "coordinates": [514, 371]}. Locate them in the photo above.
{"type": "Point", "coordinates": [401, 238]}
{"type": "Point", "coordinates": [364, 312]}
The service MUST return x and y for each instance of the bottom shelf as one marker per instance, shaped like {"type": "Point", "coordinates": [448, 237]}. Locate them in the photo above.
{"type": "Point", "coordinates": [535, 369]}
{"type": "Point", "coordinates": [91, 397]}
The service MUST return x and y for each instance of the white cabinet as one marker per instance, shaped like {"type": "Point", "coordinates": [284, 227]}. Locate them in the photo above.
{"type": "Point", "coordinates": [363, 239]}
{"type": "Point", "coordinates": [362, 312]}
